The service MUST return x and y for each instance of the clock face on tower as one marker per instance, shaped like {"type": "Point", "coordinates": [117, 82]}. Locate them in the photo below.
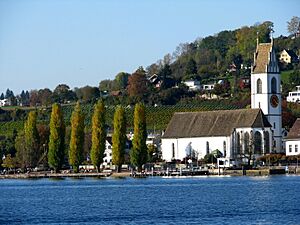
{"type": "Point", "coordinates": [274, 101]}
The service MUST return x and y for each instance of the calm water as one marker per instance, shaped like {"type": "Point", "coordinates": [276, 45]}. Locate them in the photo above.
{"type": "Point", "coordinates": [204, 200]}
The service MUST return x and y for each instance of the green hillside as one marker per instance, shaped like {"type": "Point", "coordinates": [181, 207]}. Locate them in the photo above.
{"type": "Point", "coordinates": [157, 117]}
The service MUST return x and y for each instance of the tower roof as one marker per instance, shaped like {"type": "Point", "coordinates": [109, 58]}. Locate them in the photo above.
{"type": "Point", "coordinates": [265, 59]}
{"type": "Point", "coordinates": [294, 131]}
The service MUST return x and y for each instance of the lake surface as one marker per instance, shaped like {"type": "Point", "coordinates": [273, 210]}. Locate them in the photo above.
{"type": "Point", "coordinates": [201, 200]}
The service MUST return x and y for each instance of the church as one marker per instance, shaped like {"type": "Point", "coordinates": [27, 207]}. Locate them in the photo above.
{"type": "Point", "coordinates": [240, 135]}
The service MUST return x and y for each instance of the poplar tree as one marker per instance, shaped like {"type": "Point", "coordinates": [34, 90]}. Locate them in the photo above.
{"type": "Point", "coordinates": [31, 140]}
{"type": "Point", "coordinates": [138, 154]}
{"type": "Point", "coordinates": [98, 134]}
{"type": "Point", "coordinates": [57, 138]}
{"type": "Point", "coordinates": [77, 138]}
{"type": "Point", "coordinates": [119, 138]}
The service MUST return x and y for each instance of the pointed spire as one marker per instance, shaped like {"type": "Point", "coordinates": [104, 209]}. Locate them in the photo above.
{"type": "Point", "coordinates": [272, 37]}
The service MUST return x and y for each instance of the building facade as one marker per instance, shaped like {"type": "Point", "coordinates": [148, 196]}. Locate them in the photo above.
{"type": "Point", "coordinates": [237, 134]}
{"type": "Point", "coordinates": [292, 141]}
{"type": "Point", "coordinates": [265, 89]}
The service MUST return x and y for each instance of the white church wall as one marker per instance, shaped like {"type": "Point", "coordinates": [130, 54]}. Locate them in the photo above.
{"type": "Point", "coordinates": [198, 145]}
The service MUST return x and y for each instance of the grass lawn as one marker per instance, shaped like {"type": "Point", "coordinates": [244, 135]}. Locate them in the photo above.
{"type": "Point", "coordinates": [285, 76]}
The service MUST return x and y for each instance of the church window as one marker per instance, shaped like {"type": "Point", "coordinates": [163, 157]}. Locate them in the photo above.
{"type": "Point", "coordinates": [296, 148]}
{"type": "Point", "coordinates": [173, 151]}
{"type": "Point", "coordinates": [290, 148]}
{"type": "Point", "coordinates": [273, 85]}
{"type": "Point", "coordinates": [274, 125]}
{"type": "Point", "coordinates": [259, 86]}
{"type": "Point", "coordinates": [246, 142]}
{"type": "Point", "coordinates": [224, 148]}
{"type": "Point", "coordinates": [207, 147]}
{"type": "Point", "coordinates": [238, 144]}
{"type": "Point", "coordinates": [267, 142]}
{"type": "Point", "coordinates": [257, 142]}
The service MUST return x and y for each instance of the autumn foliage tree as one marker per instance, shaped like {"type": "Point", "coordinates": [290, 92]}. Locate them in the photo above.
{"type": "Point", "coordinates": [138, 84]}
{"type": "Point", "coordinates": [98, 134]}
{"type": "Point", "coordinates": [138, 155]}
{"type": "Point", "coordinates": [119, 137]}
{"type": "Point", "coordinates": [77, 138]}
{"type": "Point", "coordinates": [57, 138]}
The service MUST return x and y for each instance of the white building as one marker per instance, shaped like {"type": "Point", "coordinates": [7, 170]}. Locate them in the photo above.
{"type": "Point", "coordinates": [238, 134]}
{"type": "Point", "coordinates": [208, 87]}
{"type": "Point", "coordinates": [193, 85]}
{"type": "Point", "coordinates": [294, 96]}
{"type": "Point", "coordinates": [235, 133]}
{"type": "Point", "coordinates": [107, 159]}
{"type": "Point", "coordinates": [292, 141]}
{"type": "Point", "coordinates": [4, 102]}
{"type": "Point", "coordinates": [265, 89]}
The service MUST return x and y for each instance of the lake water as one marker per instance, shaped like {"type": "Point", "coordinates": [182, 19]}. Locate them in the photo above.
{"type": "Point", "coordinates": [201, 200]}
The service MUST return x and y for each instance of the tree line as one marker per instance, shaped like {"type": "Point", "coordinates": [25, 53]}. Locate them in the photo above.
{"type": "Point", "coordinates": [34, 147]}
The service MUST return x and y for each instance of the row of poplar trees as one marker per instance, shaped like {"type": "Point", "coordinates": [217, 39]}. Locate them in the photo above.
{"type": "Point", "coordinates": [56, 152]}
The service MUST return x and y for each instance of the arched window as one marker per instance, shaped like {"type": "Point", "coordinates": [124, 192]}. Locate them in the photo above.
{"type": "Point", "coordinates": [246, 142]}
{"type": "Point", "coordinates": [273, 85]}
{"type": "Point", "coordinates": [267, 142]}
{"type": "Point", "coordinates": [238, 144]}
{"type": "Point", "coordinates": [173, 151]}
{"type": "Point", "coordinates": [259, 86]}
{"type": "Point", "coordinates": [257, 142]}
{"type": "Point", "coordinates": [224, 148]}
{"type": "Point", "coordinates": [207, 147]}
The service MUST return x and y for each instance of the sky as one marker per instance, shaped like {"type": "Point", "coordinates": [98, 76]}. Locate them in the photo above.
{"type": "Point", "coordinates": [44, 43]}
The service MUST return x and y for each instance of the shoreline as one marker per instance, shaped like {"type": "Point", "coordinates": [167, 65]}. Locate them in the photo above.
{"type": "Point", "coordinates": [125, 174]}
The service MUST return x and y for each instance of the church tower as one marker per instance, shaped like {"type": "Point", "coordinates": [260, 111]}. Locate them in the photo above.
{"type": "Point", "coordinates": [265, 89]}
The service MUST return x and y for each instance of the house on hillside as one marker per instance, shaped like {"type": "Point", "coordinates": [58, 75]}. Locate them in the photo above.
{"type": "Point", "coordinates": [208, 87]}
{"type": "Point", "coordinates": [294, 96]}
{"type": "Point", "coordinates": [193, 85]}
{"type": "Point", "coordinates": [237, 134]}
{"type": "Point", "coordinates": [288, 56]}
{"type": "Point", "coordinates": [292, 141]}
{"type": "Point", "coordinates": [4, 102]}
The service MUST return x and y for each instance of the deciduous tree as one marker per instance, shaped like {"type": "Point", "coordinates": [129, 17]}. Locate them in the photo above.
{"type": "Point", "coordinates": [31, 140]}
{"type": "Point", "coordinates": [98, 134]}
{"type": "Point", "coordinates": [294, 25]}
{"type": "Point", "coordinates": [139, 152]}
{"type": "Point", "coordinates": [138, 84]}
{"type": "Point", "coordinates": [57, 138]}
{"type": "Point", "coordinates": [119, 137]}
{"type": "Point", "coordinates": [77, 138]}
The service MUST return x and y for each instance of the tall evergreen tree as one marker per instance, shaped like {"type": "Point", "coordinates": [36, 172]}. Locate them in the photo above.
{"type": "Point", "coordinates": [57, 138]}
{"type": "Point", "coordinates": [98, 134]}
{"type": "Point", "coordinates": [119, 138]}
{"type": "Point", "coordinates": [138, 154]}
{"type": "Point", "coordinates": [77, 138]}
{"type": "Point", "coordinates": [31, 140]}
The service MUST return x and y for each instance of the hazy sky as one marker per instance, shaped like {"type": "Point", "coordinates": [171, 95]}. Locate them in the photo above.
{"type": "Point", "coordinates": [81, 42]}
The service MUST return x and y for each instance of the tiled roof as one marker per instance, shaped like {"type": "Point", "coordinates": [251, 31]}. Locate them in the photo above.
{"type": "Point", "coordinates": [262, 56]}
{"type": "Point", "coordinates": [294, 131]}
{"type": "Point", "coordinates": [213, 123]}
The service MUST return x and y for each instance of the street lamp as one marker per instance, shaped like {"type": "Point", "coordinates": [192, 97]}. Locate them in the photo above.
{"type": "Point", "coordinates": [44, 146]}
